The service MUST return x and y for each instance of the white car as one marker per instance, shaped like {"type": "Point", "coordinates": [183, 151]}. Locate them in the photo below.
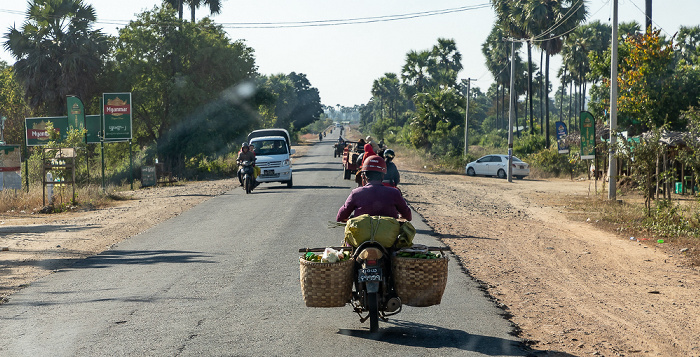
{"type": "Point", "coordinates": [273, 155]}
{"type": "Point", "coordinates": [497, 165]}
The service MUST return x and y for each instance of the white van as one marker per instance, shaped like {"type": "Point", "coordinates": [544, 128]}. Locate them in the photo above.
{"type": "Point", "coordinates": [273, 149]}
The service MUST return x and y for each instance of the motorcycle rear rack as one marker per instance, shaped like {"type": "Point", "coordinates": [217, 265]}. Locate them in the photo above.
{"type": "Point", "coordinates": [351, 249]}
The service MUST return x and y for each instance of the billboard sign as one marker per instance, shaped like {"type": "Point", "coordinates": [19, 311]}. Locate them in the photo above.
{"type": "Point", "coordinates": [37, 135]}
{"type": "Point", "coordinates": [116, 113]}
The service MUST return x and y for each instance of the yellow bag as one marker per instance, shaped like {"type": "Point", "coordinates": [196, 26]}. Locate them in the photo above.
{"type": "Point", "coordinates": [385, 230]}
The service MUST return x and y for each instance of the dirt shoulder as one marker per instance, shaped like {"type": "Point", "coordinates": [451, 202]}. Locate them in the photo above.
{"type": "Point", "coordinates": [570, 288]}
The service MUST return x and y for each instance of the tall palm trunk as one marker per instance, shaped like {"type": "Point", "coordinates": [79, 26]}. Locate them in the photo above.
{"type": "Point", "coordinates": [561, 99]}
{"type": "Point", "coordinates": [541, 95]}
{"type": "Point", "coordinates": [546, 103]}
{"type": "Point", "coordinates": [571, 95]}
{"type": "Point", "coordinates": [498, 99]}
{"type": "Point", "coordinates": [529, 84]}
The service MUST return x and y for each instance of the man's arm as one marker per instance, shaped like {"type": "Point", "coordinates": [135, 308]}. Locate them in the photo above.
{"type": "Point", "coordinates": [345, 211]}
{"type": "Point", "coordinates": [403, 208]}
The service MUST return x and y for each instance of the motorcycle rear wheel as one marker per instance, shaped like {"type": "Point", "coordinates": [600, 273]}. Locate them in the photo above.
{"type": "Point", "coordinates": [373, 307]}
{"type": "Point", "coordinates": [248, 184]}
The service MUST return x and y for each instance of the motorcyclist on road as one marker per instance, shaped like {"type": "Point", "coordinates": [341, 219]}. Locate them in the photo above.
{"type": "Point", "coordinates": [392, 176]}
{"type": "Point", "coordinates": [374, 198]}
{"type": "Point", "coordinates": [244, 155]}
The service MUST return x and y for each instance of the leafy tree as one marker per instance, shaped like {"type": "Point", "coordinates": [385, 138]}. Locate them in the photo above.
{"type": "Point", "coordinates": [57, 52]}
{"type": "Point", "coordinates": [189, 104]}
{"type": "Point", "coordinates": [308, 108]}
{"type": "Point", "coordinates": [12, 105]}
{"type": "Point", "coordinates": [291, 102]}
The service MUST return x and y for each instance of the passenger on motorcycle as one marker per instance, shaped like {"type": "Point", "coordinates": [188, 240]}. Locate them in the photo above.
{"type": "Point", "coordinates": [392, 176]}
{"type": "Point", "coordinates": [368, 151]}
{"type": "Point", "coordinates": [374, 198]}
{"type": "Point", "coordinates": [244, 155]}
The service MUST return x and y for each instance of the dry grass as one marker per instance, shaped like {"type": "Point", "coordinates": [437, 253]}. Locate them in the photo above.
{"type": "Point", "coordinates": [88, 197]}
{"type": "Point", "coordinates": [626, 218]}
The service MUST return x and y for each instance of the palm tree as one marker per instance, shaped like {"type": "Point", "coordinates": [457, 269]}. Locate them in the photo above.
{"type": "Point", "coordinates": [415, 74]}
{"type": "Point", "coordinates": [214, 6]}
{"type": "Point", "coordinates": [551, 20]}
{"type": "Point", "coordinates": [513, 19]}
{"type": "Point", "coordinates": [57, 52]}
{"type": "Point", "coordinates": [592, 37]}
{"type": "Point", "coordinates": [448, 62]}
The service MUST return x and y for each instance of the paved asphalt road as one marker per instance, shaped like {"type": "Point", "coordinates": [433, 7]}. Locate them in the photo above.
{"type": "Point", "coordinates": [222, 279]}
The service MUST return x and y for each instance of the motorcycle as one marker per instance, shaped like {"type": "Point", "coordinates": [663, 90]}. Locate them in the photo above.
{"type": "Point", "coordinates": [247, 173]}
{"type": "Point", "coordinates": [338, 149]}
{"type": "Point", "coordinates": [374, 292]}
{"type": "Point", "coordinates": [374, 296]}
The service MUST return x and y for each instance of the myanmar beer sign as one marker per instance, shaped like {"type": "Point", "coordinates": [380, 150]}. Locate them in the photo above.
{"type": "Point", "coordinates": [117, 116]}
{"type": "Point", "coordinates": [37, 134]}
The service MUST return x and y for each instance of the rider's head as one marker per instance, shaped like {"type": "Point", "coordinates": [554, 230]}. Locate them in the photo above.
{"type": "Point", "coordinates": [374, 168]}
{"type": "Point", "coordinates": [244, 147]}
{"type": "Point", "coordinates": [389, 155]}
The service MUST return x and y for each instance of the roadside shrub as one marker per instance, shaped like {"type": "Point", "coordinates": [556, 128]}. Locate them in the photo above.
{"type": "Point", "coordinates": [550, 161]}
{"type": "Point", "coordinates": [528, 144]}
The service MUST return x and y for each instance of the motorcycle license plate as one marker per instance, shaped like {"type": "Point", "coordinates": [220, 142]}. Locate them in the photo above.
{"type": "Point", "coordinates": [369, 274]}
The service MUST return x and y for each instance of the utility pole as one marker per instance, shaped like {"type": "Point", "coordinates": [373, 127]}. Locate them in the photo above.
{"type": "Point", "coordinates": [612, 166]}
{"type": "Point", "coordinates": [466, 119]}
{"type": "Point", "coordinates": [648, 15]}
{"type": "Point", "coordinates": [511, 114]}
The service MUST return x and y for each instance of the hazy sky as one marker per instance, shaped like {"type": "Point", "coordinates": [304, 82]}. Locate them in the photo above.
{"type": "Point", "coordinates": [342, 61]}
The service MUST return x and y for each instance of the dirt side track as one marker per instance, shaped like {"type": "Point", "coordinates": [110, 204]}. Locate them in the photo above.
{"type": "Point", "coordinates": [570, 288]}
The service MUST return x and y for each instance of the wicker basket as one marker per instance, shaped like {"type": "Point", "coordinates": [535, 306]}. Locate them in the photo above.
{"type": "Point", "coordinates": [326, 284]}
{"type": "Point", "coordinates": [420, 282]}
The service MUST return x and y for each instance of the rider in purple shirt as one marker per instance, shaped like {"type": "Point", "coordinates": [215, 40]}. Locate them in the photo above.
{"type": "Point", "coordinates": [374, 198]}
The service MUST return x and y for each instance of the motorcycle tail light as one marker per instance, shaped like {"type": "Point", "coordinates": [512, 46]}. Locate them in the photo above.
{"type": "Point", "coordinates": [370, 262]}
{"type": "Point", "coordinates": [371, 254]}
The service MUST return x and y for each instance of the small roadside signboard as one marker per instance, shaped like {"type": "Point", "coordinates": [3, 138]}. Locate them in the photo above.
{"type": "Point", "coordinates": [10, 167]}
{"type": "Point", "coordinates": [148, 176]}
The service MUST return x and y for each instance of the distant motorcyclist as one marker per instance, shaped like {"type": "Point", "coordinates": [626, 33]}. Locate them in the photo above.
{"type": "Point", "coordinates": [244, 155]}
{"type": "Point", "coordinates": [392, 176]}
{"type": "Point", "coordinates": [374, 198]}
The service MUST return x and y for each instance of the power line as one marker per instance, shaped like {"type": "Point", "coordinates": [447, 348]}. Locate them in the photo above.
{"type": "Point", "coordinates": [557, 24]}
{"type": "Point", "coordinates": [318, 23]}
{"type": "Point", "coordinates": [352, 21]}
{"type": "Point", "coordinates": [645, 16]}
